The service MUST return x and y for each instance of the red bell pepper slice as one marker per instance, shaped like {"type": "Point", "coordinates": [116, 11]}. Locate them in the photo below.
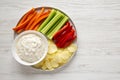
{"type": "Point", "coordinates": [63, 34]}
{"type": "Point", "coordinates": [65, 29]}
{"type": "Point", "coordinates": [70, 41]}
{"type": "Point", "coordinates": [68, 37]}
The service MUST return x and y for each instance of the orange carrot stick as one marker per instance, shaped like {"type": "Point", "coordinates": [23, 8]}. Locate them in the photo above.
{"type": "Point", "coordinates": [43, 16]}
{"type": "Point", "coordinates": [24, 18]}
{"type": "Point", "coordinates": [19, 31]}
{"type": "Point", "coordinates": [36, 27]}
{"type": "Point", "coordinates": [30, 23]}
{"type": "Point", "coordinates": [26, 15]}
{"type": "Point", "coordinates": [36, 22]}
{"type": "Point", "coordinates": [40, 13]}
{"type": "Point", "coordinates": [32, 20]}
{"type": "Point", "coordinates": [24, 23]}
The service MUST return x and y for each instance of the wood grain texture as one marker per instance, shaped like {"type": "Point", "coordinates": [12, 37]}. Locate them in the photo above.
{"type": "Point", "coordinates": [98, 28]}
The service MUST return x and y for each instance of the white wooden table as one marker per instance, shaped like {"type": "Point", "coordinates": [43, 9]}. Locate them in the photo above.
{"type": "Point", "coordinates": [98, 28]}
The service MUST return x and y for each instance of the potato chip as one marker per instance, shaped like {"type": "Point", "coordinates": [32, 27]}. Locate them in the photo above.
{"type": "Point", "coordinates": [52, 48]}
{"type": "Point", "coordinates": [56, 56]}
{"type": "Point", "coordinates": [44, 67]}
{"type": "Point", "coordinates": [60, 50]}
{"type": "Point", "coordinates": [49, 42]}
{"type": "Point", "coordinates": [39, 64]}
{"type": "Point", "coordinates": [48, 65]}
{"type": "Point", "coordinates": [72, 48]}
{"type": "Point", "coordinates": [54, 63]}
{"type": "Point", "coordinates": [65, 55]}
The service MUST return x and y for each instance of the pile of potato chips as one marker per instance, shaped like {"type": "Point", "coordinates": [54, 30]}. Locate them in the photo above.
{"type": "Point", "coordinates": [56, 56]}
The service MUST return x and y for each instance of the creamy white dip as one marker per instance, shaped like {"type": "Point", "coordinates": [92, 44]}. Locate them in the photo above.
{"type": "Point", "coordinates": [30, 47]}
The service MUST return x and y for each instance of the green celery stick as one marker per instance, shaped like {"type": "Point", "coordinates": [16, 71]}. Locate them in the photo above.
{"type": "Point", "coordinates": [51, 15]}
{"type": "Point", "coordinates": [52, 22]}
{"type": "Point", "coordinates": [55, 25]}
{"type": "Point", "coordinates": [51, 34]}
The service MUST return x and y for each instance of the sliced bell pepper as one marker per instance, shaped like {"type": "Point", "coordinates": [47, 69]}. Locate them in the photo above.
{"type": "Point", "coordinates": [61, 30]}
{"type": "Point", "coordinates": [68, 37]}
{"type": "Point", "coordinates": [65, 36]}
{"type": "Point", "coordinates": [69, 41]}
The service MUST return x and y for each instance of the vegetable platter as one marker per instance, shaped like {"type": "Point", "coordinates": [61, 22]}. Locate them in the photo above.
{"type": "Point", "coordinates": [59, 30]}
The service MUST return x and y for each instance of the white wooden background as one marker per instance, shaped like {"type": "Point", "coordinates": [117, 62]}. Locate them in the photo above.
{"type": "Point", "coordinates": [98, 28]}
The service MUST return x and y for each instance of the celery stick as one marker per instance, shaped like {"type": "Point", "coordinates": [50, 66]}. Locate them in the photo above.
{"type": "Point", "coordinates": [51, 15]}
{"type": "Point", "coordinates": [51, 34]}
{"type": "Point", "coordinates": [52, 22]}
{"type": "Point", "coordinates": [55, 25]}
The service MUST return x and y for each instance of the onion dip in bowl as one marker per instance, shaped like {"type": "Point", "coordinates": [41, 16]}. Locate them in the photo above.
{"type": "Point", "coordinates": [30, 47]}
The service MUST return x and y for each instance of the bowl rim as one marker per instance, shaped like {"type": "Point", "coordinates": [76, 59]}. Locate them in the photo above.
{"type": "Point", "coordinates": [14, 53]}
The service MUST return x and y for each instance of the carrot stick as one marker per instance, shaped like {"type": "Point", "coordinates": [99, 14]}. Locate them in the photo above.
{"type": "Point", "coordinates": [47, 12]}
{"type": "Point", "coordinates": [36, 27]}
{"type": "Point", "coordinates": [24, 23]}
{"type": "Point", "coordinates": [24, 18]}
{"type": "Point", "coordinates": [40, 13]}
{"type": "Point", "coordinates": [20, 30]}
{"type": "Point", "coordinates": [32, 20]}
{"type": "Point", "coordinates": [43, 16]}
{"type": "Point", "coordinates": [26, 15]}
{"type": "Point", "coordinates": [36, 22]}
{"type": "Point", "coordinates": [30, 23]}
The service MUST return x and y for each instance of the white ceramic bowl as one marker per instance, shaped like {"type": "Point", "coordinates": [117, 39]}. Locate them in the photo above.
{"type": "Point", "coordinates": [15, 55]}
